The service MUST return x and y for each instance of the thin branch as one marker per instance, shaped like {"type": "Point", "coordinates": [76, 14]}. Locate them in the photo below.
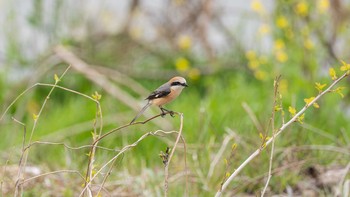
{"type": "Point", "coordinates": [278, 132]}
{"type": "Point", "coordinates": [166, 168]}
{"type": "Point", "coordinates": [272, 123]}
{"type": "Point", "coordinates": [20, 163]}
{"type": "Point", "coordinates": [67, 146]}
{"type": "Point", "coordinates": [24, 155]}
{"type": "Point", "coordinates": [53, 172]}
{"type": "Point", "coordinates": [125, 148]}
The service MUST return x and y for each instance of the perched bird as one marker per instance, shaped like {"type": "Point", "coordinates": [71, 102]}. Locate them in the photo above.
{"type": "Point", "coordinates": [163, 95]}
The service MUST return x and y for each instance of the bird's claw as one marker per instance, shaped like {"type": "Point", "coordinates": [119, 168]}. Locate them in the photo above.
{"type": "Point", "coordinates": [172, 114]}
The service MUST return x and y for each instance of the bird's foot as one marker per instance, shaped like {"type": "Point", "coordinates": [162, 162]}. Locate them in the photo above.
{"type": "Point", "coordinates": [163, 114]}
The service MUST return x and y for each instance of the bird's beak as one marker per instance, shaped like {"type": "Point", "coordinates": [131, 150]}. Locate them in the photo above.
{"type": "Point", "coordinates": [185, 84]}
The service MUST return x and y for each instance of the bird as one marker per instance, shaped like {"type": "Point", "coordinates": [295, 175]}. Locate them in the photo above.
{"type": "Point", "coordinates": [163, 95]}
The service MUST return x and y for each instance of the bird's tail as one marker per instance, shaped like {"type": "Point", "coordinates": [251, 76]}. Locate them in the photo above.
{"type": "Point", "coordinates": [141, 111]}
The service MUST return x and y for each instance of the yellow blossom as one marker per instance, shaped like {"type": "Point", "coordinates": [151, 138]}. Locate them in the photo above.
{"type": "Point", "coordinates": [253, 64]}
{"type": "Point", "coordinates": [282, 22]}
{"type": "Point", "coordinates": [338, 90]}
{"type": "Point", "coordinates": [35, 117]}
{"type": "Point", "coordinates": [320, 86]}
{"type": "Point", "coordinates": [333, 74]}
{"type": "Point", "coordinates": [292, 110]}
{"type": "Point", "coordinates": [345, 66]}
{"type": "Point", "coordinates": [301, 118]}
{"type": "Point", "coordinates": [279, 44]}
{"type": "Point", "coordinates": [302, 8]}
{"type": "Point", "coordinates": [260, 75]}
{"type": "Point", "coordinates": [257, 6]}
{"type": "Point", "coordinates": [182, 64]}
{"type": "Point", "coordinates": [96, 96]}
{"type": "Point", "coordinates": [184, 42]}
{"type": "Point", "coordinates": [281, 56]}
{"type": "Point", "coordinates": [250, 55]}
{"type": "Point", "coordinates": [309, 100]}
{"type": "Point", "coordinates": [308, 44]}
{"type": "Point", "coordinates": [264, 29]}
{"type": "Point", "coordinates": [194, 74]}
{"type": "Point", "coordinates": [323, 5]}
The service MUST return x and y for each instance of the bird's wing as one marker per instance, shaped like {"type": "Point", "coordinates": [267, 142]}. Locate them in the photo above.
{"type": "Point", "coordinates": [160, 92]}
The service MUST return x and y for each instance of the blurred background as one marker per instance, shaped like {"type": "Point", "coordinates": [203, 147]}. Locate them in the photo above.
{"type": "Point", "coordinates": [230, 53]}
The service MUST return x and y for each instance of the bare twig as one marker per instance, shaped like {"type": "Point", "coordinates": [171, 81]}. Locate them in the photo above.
{"type": "Point", "coordinates": [89, 169]}
{"type": "Point", "coordinates": [24, 155]}
{"type": "Point", "coordinates": [278, 132]}
{"type": "Point", "coordinates": [67, 146]}
{"type": "Point", "coordinates": [125, 148]}
{"type": "Point", "coordinates": [50, 173]}
{"type": "Point", "coordinates": [272, 123]}
{"type": "Point", "coordinates": [166, 168]}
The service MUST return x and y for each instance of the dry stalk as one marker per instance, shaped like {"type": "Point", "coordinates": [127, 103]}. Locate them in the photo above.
{"type": "Point", "coordinates": [50, 173]}
{"type": "Point", "coordinates": [88, 182]}
{"type": "Point", "coordinates": [24, 155]}
{"type": "Point", "coordinates": [125, 148]}
{"type": "Point", "coordinates": [166, 168]}
{"type": "Point", "coordinates": [272, 124]}
{"type": "Point", "coordinates": [278, 132]}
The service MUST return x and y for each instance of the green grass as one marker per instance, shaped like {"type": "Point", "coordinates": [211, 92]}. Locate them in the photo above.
{"type": "Point", "coordinates": [209, 106]}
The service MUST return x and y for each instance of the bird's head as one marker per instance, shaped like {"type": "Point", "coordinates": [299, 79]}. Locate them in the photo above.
{"type": "Point", "coordinates": [178, 82]}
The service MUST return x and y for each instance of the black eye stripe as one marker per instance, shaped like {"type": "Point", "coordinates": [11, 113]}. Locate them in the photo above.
{"type": "Point", "coordinates": [175, 83]}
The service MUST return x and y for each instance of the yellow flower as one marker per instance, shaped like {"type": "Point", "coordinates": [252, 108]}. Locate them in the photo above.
{"type": "Point", "coordinates": [194, 74]}
{"type": "Point", "coordinates": [301, 118]}
{"type": "Point", "coordinates": [253, 64]}
{"type": "Point", "coordinates": [309, 100]}
{"type": "Point", "coordinates": [338, 90]}
{"type": "Point", "coordinates": [333, 74]}
{"type": "Point", "coordinates": [345, 66]}
{"type": "Point", "coordinates": [323, 5]}
{"type": "Point", "coordinates": [292, 110]}
{"type": "Point", "coordinates": [184, 42]}
{"type": "Point", "coordinates": [257, 6]}
{"type": "Point", "coordinates": [302, 8]}
{"type": "Point", "coordinates": [281, 56]}
{"type": "Point", "coordinates": [308, 44]}
{"type": "Point", "coordinates": [282, 22]}
{"type": "Point", "coordinates": [320, 86]}
{"type": "Point", "coordinates": [260, 75]}
{"type": "Point", "coordinates": [264, 29]}
{"type": "Point", "coordinates": [182, 64]}
{"type": "Point", "coordinates": [279, 44]}
{"type": "Point", "coordinates": [96, 96]}
{"type": "Point", "coordinates": [250, 55]}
